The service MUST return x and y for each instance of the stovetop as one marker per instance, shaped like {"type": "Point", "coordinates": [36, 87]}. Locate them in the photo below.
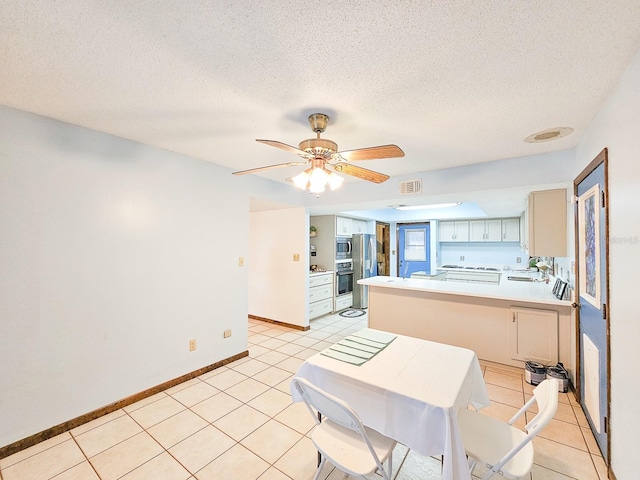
{"type": "Point", "coordinates": [460, 267]}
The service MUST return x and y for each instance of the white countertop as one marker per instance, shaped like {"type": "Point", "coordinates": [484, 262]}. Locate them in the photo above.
{"type": "Point", "coordinates": [315, 274]}
{"type": "Point", "coordinates": [533, 292]}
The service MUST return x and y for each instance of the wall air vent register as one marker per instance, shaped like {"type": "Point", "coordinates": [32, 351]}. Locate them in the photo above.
{"type": "Point", "coordinates": [411, 187]}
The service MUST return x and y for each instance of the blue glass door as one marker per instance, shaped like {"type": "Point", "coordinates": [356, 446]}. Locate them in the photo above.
{"type": "Point", "coordinates": [414, 252]}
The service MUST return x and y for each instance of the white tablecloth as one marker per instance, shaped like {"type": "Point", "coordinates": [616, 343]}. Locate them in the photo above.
{"type": "Point", "coordinates": [410, 391]}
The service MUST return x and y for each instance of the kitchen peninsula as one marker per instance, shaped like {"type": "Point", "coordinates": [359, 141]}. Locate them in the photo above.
{"type": "Point", "coordinates": [506, 322]}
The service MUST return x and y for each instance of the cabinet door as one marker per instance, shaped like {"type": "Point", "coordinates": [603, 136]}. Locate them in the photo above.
{"type": "Point", "coordinates": [358, 226]}
{"type": "Point", "coordinates": [493, 230]}
{"type": "Point", "coordinates": [534, 335]}
{"type": "Point", "coordinates": [461, 231]}
{"type": "Point", "coordinates": [447, 231]}
{"type": "Point", "coordinates": [343, 227]}
{"type": "Point", "coordinates": [477, 231]}
{"type": "Point", "coordinates": [548, 223]}
{"type": "Point", "coordinates": [510, 229]}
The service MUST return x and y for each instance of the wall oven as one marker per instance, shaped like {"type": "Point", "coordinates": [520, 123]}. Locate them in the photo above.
{"type": "Point", "coordinates": [343, 248]}
{"type": "Point", "coordinates": [344, 278]}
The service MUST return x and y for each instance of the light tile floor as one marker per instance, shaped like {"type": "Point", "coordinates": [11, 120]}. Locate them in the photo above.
{"type": "Point", "coordinates": [238, 422]}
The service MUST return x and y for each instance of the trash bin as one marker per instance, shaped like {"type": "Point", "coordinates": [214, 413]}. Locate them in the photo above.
{"type": "Point", "coordinates": [534, 372]}
{"type": "Point", "coordinates": [559, 373]}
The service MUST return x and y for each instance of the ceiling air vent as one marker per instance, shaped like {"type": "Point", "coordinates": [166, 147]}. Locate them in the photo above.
{"type": "Point", "coordinates": [410, 187]}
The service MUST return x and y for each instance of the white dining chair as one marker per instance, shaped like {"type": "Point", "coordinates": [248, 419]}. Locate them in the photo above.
{"type": "Point", "coordinates": [500, 446]}
{"type": "Point", "coordinates": [340, 436]}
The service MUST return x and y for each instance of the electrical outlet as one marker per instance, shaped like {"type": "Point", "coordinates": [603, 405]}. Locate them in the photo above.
{"type": "Point", "coordinates": [296, 257]}
{"type": "Point", "coordinates": [518, 259]}
{"type": "Point", "coordinates": [462, 258]}
{"type": "Point", "coordinates": [227, 333]}
{"type": "Point", "coordinates": [241, 261]}
{"type": "Point", "coordinates": [192, 345]}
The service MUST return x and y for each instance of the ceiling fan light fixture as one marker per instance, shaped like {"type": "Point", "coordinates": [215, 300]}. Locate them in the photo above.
{"type": "Point", "coordinates": [301, 180]}
{"type": "Point", "coordinates": [318, 152]}
{"type": "Point", "coordinates": [334, 180]}
{"type": "Point", "coordinates": [318, 180]}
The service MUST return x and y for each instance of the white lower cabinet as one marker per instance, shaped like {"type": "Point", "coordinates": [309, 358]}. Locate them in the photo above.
{"type": "Point", "coordinates": [320, 295]}
{"type": "Point", "coordinates": [322, 307]}
{"type": "Point", "coordinates": [344, 301]}
{"type": "Point", "coordinates": [534, 335]}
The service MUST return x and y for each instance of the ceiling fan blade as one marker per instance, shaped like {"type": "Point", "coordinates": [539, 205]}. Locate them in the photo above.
{"type": "Point", "coordinates": [266, 167]}
{"type": "Point", "coordinates": [363, 173]}
{"type": "Point", "coordinates": [372, 153]}
{"type": "Point", "coordinates": [284, 146]}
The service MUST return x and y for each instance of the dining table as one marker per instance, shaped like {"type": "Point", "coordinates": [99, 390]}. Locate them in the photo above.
{"type": "Point", "coordinates": [406, 388]}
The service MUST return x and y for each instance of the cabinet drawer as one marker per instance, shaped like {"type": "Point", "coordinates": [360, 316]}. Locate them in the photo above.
{"type": "Point", "coordinates": [344, 301]}
{"type": "Point", "coordinates": [320, 308]}
{"type": "Point", "coordinates": [318, 280]}
{"type": "Point", "coordinates": [320, 293]}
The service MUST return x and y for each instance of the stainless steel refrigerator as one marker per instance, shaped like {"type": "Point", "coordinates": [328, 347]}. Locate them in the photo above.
{"type": "Point", "coordinates": [365, 265]}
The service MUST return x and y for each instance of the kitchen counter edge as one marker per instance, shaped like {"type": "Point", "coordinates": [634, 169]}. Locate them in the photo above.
{"type": "Point", "coordinates": [513, 291]}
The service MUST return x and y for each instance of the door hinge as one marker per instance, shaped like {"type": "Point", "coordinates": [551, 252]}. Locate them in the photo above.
{"type": "Point", "coordinates": [604, 311]}
{"type": "Point", "coordinates": [606, 424]}
{"type": "Point", "coordinates": [574, 199]}
{"type": "Point", "coordinates": [603, 199]}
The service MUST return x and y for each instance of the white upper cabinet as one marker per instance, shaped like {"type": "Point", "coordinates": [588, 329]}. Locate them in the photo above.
{"type": "Point", "coordinates": [454, 231]}
{"type": "Point", "coordinates": [547, 212]}
{"type": "Point", "coordinates": [358, 226]}
{"type": "Point", "coordinates": [485, 230]}
{"type": "Point", "coordinates": [510, 229]}
{"type": "Point", "coordinates": [343, 227]}
{"type": "Point", "coordinates": [492, 230]}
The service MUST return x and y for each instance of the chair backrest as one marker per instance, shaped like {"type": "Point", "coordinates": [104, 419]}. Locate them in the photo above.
{"type": "Point", "coordinates": [337, 411]}
{"type": "Point", "coordinates": [333, 408]}
{"type": "Point", "coordinates": [546, 395]}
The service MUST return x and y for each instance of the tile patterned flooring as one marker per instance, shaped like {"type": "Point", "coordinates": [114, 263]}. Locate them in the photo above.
{"type": "Point", "coordinates": [238, 422]}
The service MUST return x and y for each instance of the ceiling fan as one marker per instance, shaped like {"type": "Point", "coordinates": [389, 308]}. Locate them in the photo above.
{"type": "Point", "coordinates": [322, 152]}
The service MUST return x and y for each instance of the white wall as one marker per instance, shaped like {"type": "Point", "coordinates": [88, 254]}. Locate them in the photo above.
{"type": "Point", "coordinates": [113, 256]}
{"type": "Point", "coordinates": [278, 285]}
{"type": "Point", "coordinates": [617, 127]}
{"type": "Point", "coordinates": [489, 254]}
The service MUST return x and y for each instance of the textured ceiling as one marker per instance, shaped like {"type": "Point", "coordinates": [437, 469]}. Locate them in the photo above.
{"type": "Point", "coordinates": [452, 83]}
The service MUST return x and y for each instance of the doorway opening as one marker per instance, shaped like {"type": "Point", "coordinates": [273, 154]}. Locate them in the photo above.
{"type": "Point", "coordinates": [383, 248]}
